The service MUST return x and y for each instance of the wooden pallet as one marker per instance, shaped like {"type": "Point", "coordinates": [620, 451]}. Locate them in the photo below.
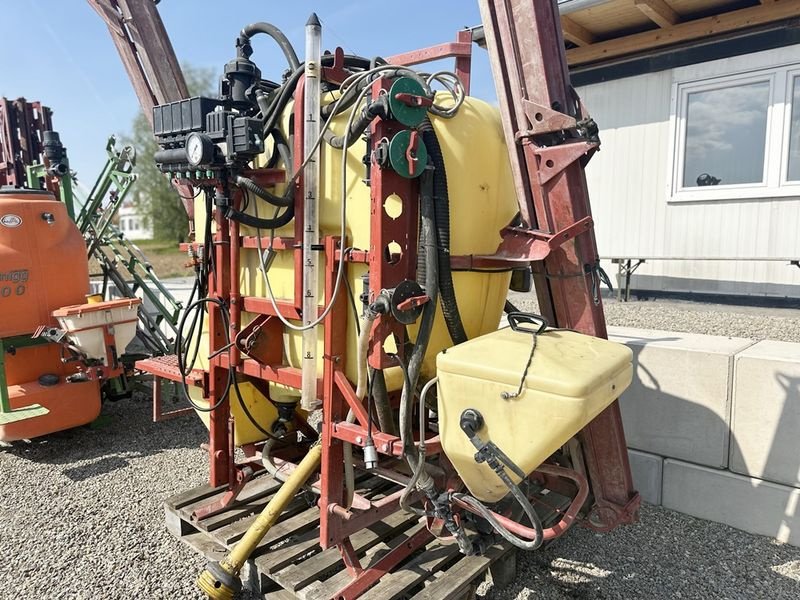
{"type": "Point", "coordinates": [289, 562]}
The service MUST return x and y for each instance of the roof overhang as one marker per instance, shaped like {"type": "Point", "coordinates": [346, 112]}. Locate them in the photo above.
{"type": "Point", "coordinates": [601, 31]}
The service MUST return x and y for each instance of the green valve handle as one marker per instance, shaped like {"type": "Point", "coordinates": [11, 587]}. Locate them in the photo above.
{"type": "Point", "coordinates": [408, 101]}
{"type": "Point", "coordinates": [408, 155]}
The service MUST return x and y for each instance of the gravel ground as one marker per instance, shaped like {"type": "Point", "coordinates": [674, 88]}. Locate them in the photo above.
{"type": "Point", "coordinates": [81, 510]}
{"type": "Point", "coordinates": [711, 319]}
{"type": "Point", "coordinates": [82, 518]}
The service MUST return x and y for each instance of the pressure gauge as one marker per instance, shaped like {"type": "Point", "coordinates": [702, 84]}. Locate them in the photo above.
{"type": "Point", "coordinates": [199, 149]}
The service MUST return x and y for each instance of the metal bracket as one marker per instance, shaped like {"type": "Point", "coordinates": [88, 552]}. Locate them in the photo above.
{"type": "Point", "coordinates": [544, 119]}
{"type": "Point", "coordinates": [262, 340]}
{"type": "Point", "coordinates": [554, 159]}
{"type": "Point", "coordinates": [527, 245]}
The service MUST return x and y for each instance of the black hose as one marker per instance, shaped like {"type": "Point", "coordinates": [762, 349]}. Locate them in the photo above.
{"type": "Point", "coordinates": [280, 201]}
{"type": "Point", "coordinates": [286, 92]}
{"type": "Point", "coordinates": [383, 409]}
{"type": "Point", "coordinates": [259, 223]}
{"type": "Point", "coordinates": [452, 317]}
{"type": "Point", "coordinates": [276, 34]}
{"type": "Point", "coordinates": [379, 108]}
{"type": "Point", "coordinates": [505, 533]}
{"type": "Point", "coordinates": [199, 304]}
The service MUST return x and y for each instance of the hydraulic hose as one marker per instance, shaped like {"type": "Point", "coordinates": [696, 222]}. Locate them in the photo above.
{"type": "Point", "coordinates": [452, 317]}
{"type": "Point", "coordinates": [276, 34]}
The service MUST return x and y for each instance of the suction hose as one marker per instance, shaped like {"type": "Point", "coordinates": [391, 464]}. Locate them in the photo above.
{"type": "Point", "coordinates": [442, 217]}
{"type": "Point", "coordinates": [220, 580]}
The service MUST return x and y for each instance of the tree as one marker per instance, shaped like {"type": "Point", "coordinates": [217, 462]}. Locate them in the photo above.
{"type": "Point", "coordinates": [153, 193]}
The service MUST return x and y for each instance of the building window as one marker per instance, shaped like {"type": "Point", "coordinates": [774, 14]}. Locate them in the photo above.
{"type": "Point", "coordinates": [737, 136]}
{"type": "Point", "coordinates": [793, 166]}
{"type": "Point", "coordinates": [726, 135]}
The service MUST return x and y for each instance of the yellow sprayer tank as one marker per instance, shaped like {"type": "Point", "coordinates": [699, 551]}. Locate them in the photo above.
{"type": "Point", "coordinates": [571, 379]}
{"type": "Point", "coordinates": [482, 202]}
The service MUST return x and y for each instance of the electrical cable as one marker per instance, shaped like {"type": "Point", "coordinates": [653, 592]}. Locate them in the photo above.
{"type": "Point", "coordinates": [200, 303]}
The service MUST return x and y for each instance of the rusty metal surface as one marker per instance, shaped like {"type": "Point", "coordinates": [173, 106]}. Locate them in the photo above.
{"type": "Point", "coordinates": [149, 59]}
{"type": "Point", "coordinates": [22, 125]}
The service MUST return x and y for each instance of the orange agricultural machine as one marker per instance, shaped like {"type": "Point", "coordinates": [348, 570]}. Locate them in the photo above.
{"type": "Point", "coordinates": [58, 346]}
{"type": "Point", "coordinates": [358, 224]}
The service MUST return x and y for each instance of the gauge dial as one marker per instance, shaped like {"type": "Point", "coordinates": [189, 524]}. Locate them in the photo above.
{"type": "Point", "coordinates": [198, 149]}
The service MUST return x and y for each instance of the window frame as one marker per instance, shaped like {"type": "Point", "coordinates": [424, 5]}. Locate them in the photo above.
{"type": "Point", "coordinates": [792, 72]}
{"type": "Point", "coordinates": [781, 66]}
{"type": "Point", "coordinates": [769, 185]}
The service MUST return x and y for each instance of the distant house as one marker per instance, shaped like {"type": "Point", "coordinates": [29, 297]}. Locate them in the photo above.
{"type": "Point", "coordinates": [134, 224]}
{"type": "Point", "coordinates": [698, 104]}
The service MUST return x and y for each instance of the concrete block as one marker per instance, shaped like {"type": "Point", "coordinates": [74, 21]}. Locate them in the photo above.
{"type": "Point", "coordinates": [679, 402]}
{"type": "Point", "coordinates": [765, 419]}
{"type": "Point", "coordinates": [745, 503]}
{"type": "Point", "coordinates": [647, 470]}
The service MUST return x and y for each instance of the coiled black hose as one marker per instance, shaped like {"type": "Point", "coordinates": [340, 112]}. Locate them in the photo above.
{"type": "Point", "coordinates": [447, 291]}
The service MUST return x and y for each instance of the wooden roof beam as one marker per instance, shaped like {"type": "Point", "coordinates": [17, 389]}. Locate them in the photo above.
{"type": "Point", "coordinates": [577, 34]}
{"type": "Point", "coordinates": [659, 12]}
{"type": "Point", "coordinates": [769, 12]}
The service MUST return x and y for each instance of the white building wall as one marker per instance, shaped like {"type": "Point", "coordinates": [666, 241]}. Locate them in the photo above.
{"type": "Point", "coordinates": [630, 183]}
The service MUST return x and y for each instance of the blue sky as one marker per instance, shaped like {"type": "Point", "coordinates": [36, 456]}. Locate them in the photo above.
{"type": "Point", "coordinates": [60, 52]}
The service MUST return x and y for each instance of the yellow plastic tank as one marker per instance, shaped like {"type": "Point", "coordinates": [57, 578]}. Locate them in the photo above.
{"type": "Point", "coordinates": [571, 379]}
{"type": "Point", "coordinates": [482, 202]}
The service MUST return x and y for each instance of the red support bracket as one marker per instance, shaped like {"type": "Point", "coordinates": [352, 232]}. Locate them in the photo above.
{"type": "Point", "coordinates": [553, 160]}
{"type": "Point", "coordinates": [544, 119]}
{"type": "Point", "coordinates": [369, 577]}
{"type": "Point", "coordinates": [526, 245]}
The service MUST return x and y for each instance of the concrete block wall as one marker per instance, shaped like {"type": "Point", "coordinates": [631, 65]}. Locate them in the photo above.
{"type": "Point", "coordinates": [712, 427]}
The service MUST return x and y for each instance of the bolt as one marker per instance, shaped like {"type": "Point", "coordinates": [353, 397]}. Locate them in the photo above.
{"type": "Point", "coordinates": [385, 448]}
{"type": "Point", "coordinates": [359, 440]}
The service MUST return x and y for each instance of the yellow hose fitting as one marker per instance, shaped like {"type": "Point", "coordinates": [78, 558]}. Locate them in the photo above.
{"type": "Point", "coordinates": [220, 580]}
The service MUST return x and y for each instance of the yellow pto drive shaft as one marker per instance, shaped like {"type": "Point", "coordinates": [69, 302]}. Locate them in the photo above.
{"type": "Point", "coordinates": [220, 580]}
